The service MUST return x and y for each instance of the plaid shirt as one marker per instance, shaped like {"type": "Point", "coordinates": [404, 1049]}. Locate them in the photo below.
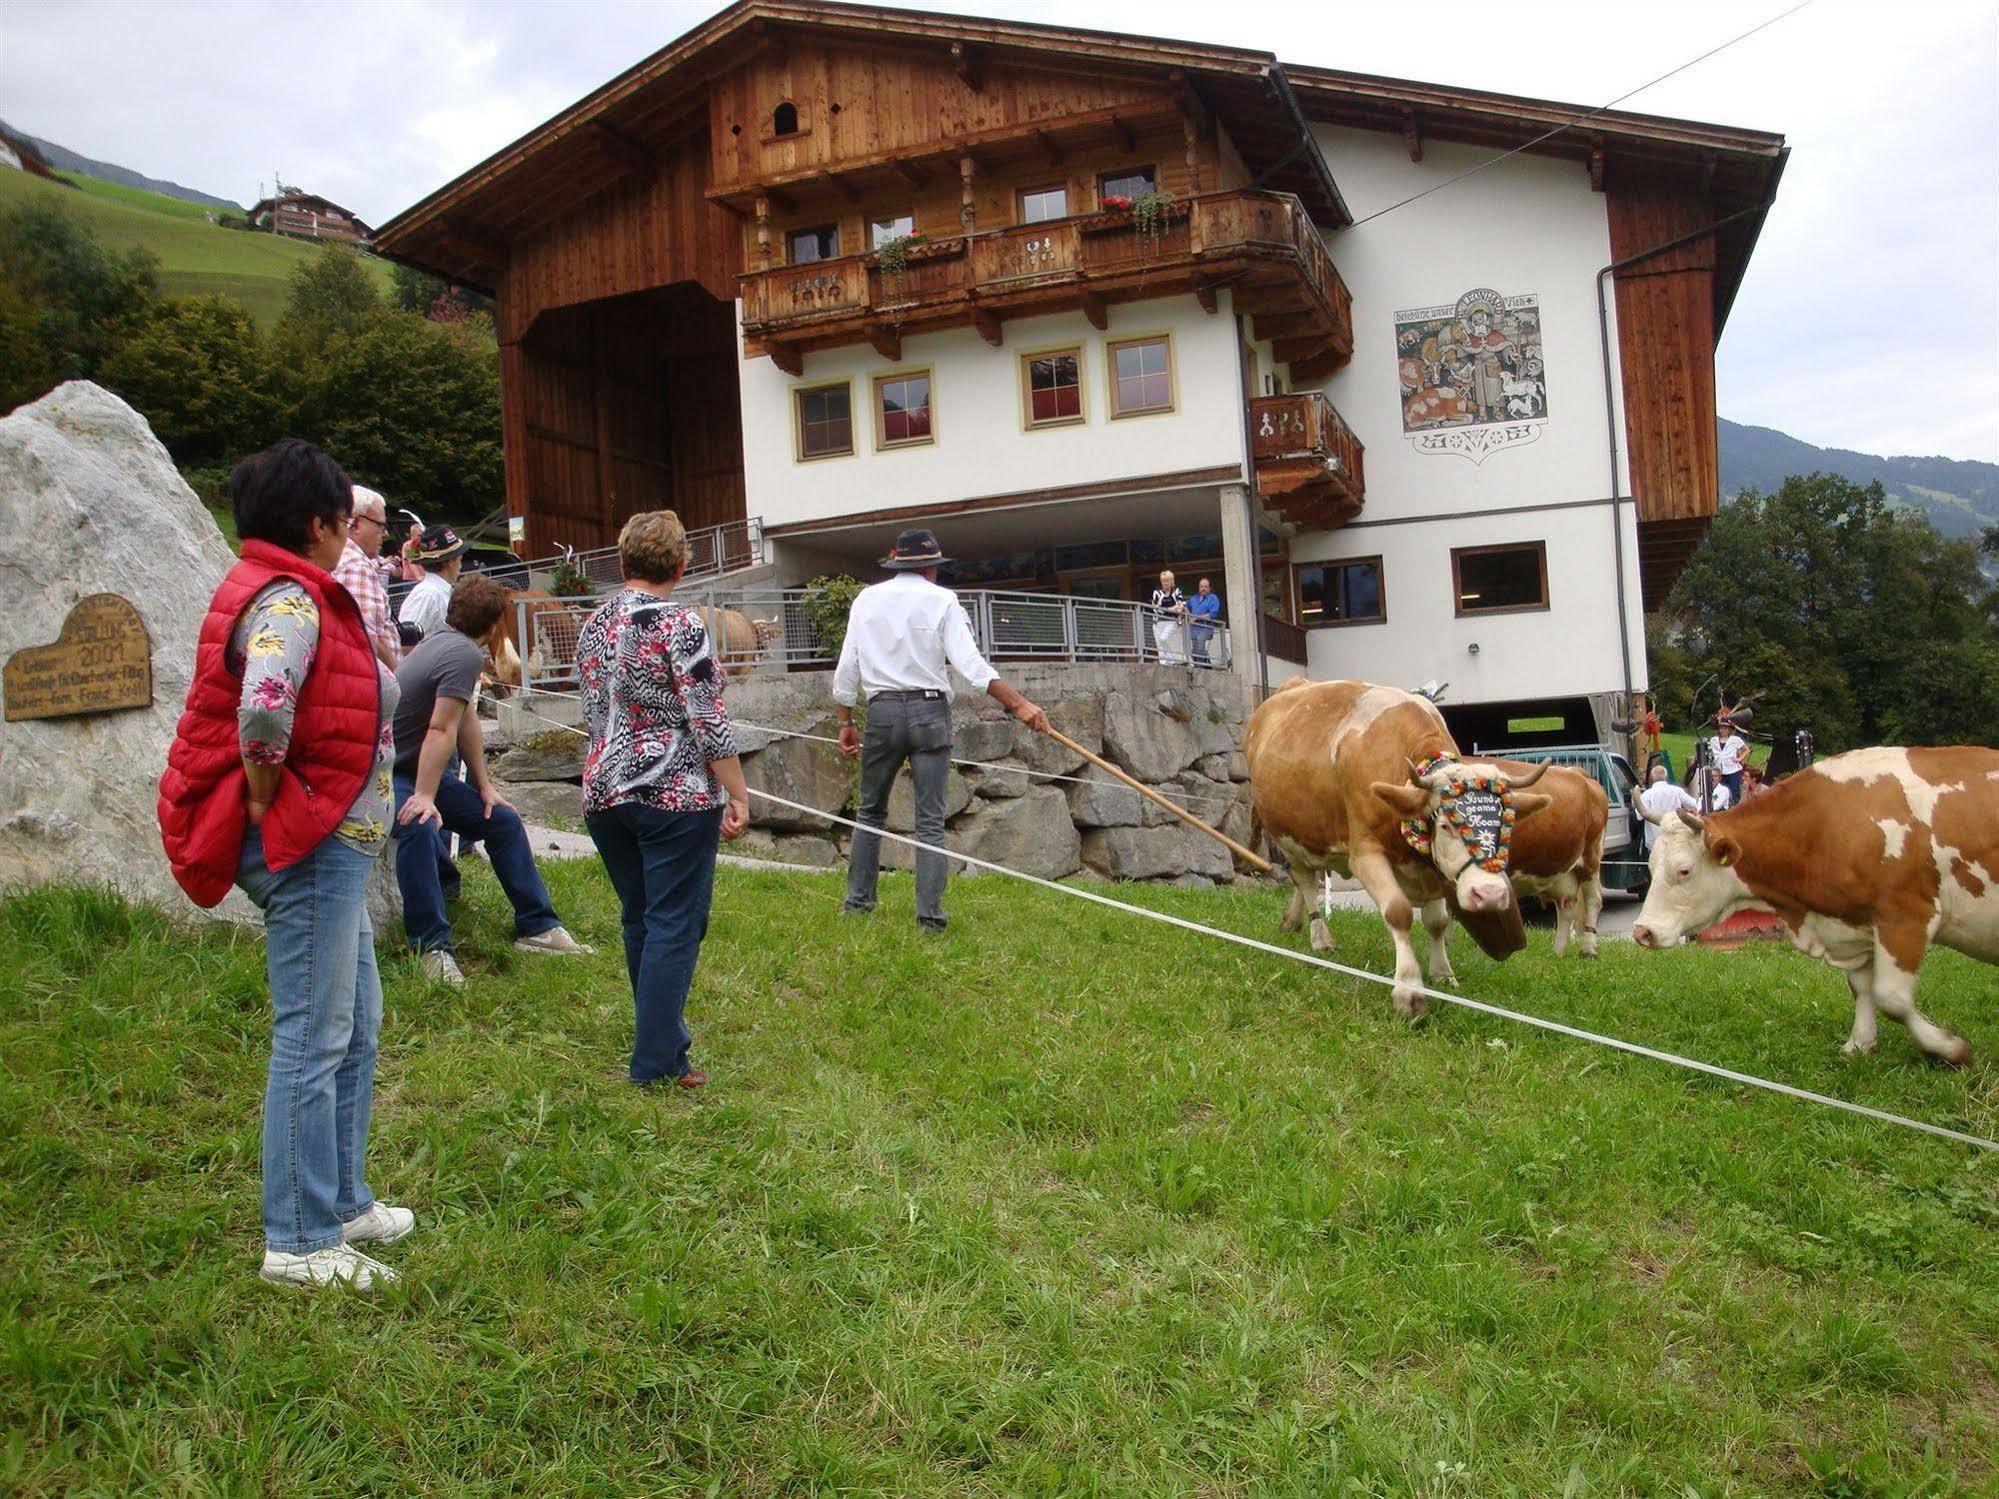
{"type": "Point", "coordinates": [361, 576]}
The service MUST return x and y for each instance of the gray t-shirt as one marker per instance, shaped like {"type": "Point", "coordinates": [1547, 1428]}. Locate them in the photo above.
{"type": "Point", "coordinates": [445, 664]}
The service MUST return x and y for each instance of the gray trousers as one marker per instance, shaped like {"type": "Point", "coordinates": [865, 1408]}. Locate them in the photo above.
{"type": "Point", "coordinates": [918, 731]}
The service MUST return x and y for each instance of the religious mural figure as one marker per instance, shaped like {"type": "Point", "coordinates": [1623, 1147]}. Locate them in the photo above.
{"type": "Point", "coordinates": [1472, 374]}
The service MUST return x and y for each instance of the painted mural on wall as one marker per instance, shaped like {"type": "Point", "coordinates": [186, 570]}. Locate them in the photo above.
{"type": "Point", "coordinates": [1473, 377]}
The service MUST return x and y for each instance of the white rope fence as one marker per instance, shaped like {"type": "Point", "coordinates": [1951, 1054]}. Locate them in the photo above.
{"type": "Point", "coordinates": [1519, 1017]}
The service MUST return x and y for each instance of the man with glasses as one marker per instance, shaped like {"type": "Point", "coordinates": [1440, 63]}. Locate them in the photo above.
{"type": "Point", "coordinates": [361, 575]}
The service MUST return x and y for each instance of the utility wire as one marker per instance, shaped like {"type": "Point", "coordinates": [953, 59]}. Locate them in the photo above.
{"type": "Point", "coordinates": [1549, 135]}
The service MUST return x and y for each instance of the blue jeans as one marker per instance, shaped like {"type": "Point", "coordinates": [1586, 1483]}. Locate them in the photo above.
{"type": "Point", "coordinates": [326, 1009]}
{"type": "Point", "coordinates": [662, 865]}
{"type": "Point", "coordinates": [507, 846]}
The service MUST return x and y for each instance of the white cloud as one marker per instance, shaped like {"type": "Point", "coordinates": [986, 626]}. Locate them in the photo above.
{"type": "Point", "coordinates": [1869, 319]}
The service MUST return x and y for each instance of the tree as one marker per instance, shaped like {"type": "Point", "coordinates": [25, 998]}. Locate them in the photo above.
{"type": "Point", "coordinates": [331, 295]}
{"type": "Point", "coordinates": [413, 290]}
{"type": "Point", "coordinates": [199, 373]}
{"type": "Point", "coordinates": [80, 300]}
{"type": "Point", "coordinates": [1838, 613]}
{"type": "Point", "coordinates": [412, 408]}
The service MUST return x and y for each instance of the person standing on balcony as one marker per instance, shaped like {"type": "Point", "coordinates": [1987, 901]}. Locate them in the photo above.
{"type": "Point", "coordinates": [1204, 609]}
{"type": "Point", "coordinates": [904, 637]}
{"type": "Point", "coordinates": [1169, 621]}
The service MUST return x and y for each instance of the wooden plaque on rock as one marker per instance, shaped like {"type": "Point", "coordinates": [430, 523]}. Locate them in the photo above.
{"type": "Point", "coordinates": [101, 662]}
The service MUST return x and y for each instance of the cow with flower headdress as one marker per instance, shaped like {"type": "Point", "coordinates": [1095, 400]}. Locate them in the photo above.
{"type": "Point", "coordinates": [1365, 781]}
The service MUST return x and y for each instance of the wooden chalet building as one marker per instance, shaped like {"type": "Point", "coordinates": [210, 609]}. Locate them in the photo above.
{"type": "Point", "coordinates": [308, 216]}
{"type": "Point", "coordinates": [1091, 303]}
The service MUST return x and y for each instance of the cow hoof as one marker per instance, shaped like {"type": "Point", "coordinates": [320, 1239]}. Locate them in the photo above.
{"type": "Point", "coordinates": [1958, 1054]}
{"type": "Point", "coordinates": [1857, 1049]}
{"type": "Point", "coordinates": [1411, 1007]}
{"type": "Point", "coordinates": [1322, 940]}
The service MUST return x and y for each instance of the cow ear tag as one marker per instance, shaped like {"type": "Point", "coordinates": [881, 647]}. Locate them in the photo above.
{"type": "Point", "coordinates": [1725, 851]}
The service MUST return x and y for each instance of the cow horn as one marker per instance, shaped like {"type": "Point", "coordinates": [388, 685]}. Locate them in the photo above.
{"type": "Point", "coordinates": [1698, 824]}
{"type": "Point", "coordinates": [1415, 771]}
{"type": "Point", "coordinates": [1647, 813]}
{"type": "Point", "coordinates": [1518, 782]}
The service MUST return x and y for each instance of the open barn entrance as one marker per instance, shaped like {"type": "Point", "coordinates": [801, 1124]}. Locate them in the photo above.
{"type": "Point", "coordinates": [629, 403]}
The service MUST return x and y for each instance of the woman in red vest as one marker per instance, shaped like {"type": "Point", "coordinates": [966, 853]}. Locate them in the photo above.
{"type": "Point", "coordinates": [278, 781]}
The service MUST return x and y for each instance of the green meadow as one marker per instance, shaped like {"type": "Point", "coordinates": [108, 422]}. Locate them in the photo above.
{"type": "Point", "coordinates": [1063, 1202]}
{"type": "Point", "coordinates": [196, 257]}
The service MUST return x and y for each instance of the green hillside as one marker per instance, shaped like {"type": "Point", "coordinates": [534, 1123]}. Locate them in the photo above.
{"type": "Point", "coordinates": [196, 257]}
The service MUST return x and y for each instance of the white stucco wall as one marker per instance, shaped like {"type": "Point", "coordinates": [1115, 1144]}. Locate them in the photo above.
{"type": "Point", "coordinates": [1528, 225]}
{"type": "Point", "coordinates": [981, 447]}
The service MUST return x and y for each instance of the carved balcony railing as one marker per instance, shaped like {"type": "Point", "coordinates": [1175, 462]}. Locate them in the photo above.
{"type": "Point", "coordinates": [1264, 246]}
{"type": "Point", "coordinates": [1308, 460]}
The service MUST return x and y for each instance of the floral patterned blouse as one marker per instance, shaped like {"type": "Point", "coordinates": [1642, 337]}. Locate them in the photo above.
{"type": "Point", "coordinates": [652, 699]}
{"type": "Point", "coordinates": [273, 645]}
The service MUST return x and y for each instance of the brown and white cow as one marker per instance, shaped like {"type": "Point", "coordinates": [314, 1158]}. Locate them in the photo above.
{"type": "Point", "coordinates": [1868, 858]}
{"type": "Point", "coordinates": [1557, 856]}
{"type": "Point", "coordinates": [1333, 775]}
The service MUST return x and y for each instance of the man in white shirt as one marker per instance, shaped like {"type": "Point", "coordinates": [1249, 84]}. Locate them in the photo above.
{"type": "Point", "coordinates": [1726, 750]}
{"type": "Point", "coordinates": [1661, 800]}
{"type": "Point", "coordinates": [443, 557]}
{"type": "Point", "coordinates": [904, 637]}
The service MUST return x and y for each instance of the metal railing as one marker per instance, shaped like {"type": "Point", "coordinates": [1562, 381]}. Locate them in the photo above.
{"type": "Point", "coordinates": [773, 630]}
{"type": "Point", "coordinates": [727, 548]}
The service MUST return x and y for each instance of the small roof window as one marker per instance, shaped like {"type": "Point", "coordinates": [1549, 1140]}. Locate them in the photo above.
{"type": "Point", "coordinates": [784, 119]}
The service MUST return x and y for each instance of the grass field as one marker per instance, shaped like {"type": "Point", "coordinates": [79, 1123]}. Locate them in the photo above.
{"type": "Point", "coordinates": [196, 257]}
{"type": "Point", "coordinates": [1059, 1203]}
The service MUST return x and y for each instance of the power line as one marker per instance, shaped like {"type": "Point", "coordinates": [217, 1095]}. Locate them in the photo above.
{"type": "Point", "coordinates": [1549, 135]}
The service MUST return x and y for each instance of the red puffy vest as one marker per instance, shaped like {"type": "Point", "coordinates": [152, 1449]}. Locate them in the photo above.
{"type": "Point", "coordinates": [202, 818]}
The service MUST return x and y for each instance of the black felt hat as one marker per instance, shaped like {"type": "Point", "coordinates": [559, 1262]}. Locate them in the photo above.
{"type": "Point", "coordinates": [439, 544]}
{"type": "Point", "coordinates": [915, 549]}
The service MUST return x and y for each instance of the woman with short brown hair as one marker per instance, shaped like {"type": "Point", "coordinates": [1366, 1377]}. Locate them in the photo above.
{"type": "Point", "coordinates": [662, 784]}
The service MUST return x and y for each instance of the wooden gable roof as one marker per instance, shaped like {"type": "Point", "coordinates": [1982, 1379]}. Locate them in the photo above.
{"type": "Point", "coordinates": [662, 105]}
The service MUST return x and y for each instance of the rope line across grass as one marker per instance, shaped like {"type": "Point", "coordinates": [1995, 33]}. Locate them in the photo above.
{"type": "Point", "coordinates": [1483, 1007]}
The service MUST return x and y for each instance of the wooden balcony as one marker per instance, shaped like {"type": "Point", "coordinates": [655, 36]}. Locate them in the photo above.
{"type": "Point", "coordinates": [1308, 461]}
{"type": "Point", "coordinates": [1262, 245]}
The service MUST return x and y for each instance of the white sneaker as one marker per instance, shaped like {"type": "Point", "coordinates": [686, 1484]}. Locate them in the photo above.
{"type": "Point", "coordinates": [323, 1267]}
{"type": "Point", "coordinates": [441, 968]}
{"type": "Point", "coordinates": [555, 940]}
{"type": "Point", "coordinates": [381, 1224]}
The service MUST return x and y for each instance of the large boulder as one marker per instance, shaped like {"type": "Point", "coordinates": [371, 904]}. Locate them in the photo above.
{"type": "Point", "coordinates": [1004, 779]}
{"type": "Point", "coordinates": [1081, 718]}
{"type": "Point", "coordinates": [977, 738]}
{"type": "Point", "coordinates": [552, 804]}
{"type": "Point", "coordinates": [551, 755]}
{"type": "Point", "coordinates": [91, 503]}
{"type": "Point", "coordinates": [1150, 739]}
{"type": "Point", "coordinates": [1163, 853]}
{"type": "Point", "coordinates": [1031, 833]}
{"type": "Point", "coordinates": [1100, 800]}
{"type": "Point", "coordinates": [800, 770]}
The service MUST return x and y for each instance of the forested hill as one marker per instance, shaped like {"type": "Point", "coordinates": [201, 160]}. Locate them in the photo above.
{"type": "Point", "coordinates": [65, 160]}
{"type": "Point", "coordinates": [1960, 496]}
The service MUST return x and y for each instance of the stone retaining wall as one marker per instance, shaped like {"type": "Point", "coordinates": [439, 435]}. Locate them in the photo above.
{"type": "Point", "coordinates": [1177, 729]}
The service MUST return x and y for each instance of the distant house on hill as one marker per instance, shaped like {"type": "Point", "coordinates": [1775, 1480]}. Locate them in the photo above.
{"type": "Point", "coordinates": [306, 216]}
{"type": "Point", "coordinates": [23, 155]}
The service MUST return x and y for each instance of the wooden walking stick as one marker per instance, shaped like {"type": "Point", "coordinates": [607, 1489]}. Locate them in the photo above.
{"type": "Point", "coordinates": [1255, 861]}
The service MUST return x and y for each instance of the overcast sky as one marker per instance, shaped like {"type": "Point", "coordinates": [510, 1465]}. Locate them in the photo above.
{"type": "Point", "coordinates": [1869, 319]}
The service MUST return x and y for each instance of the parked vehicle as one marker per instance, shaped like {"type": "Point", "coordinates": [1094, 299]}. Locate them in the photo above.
{"type": "Point", "coordinates": [1623, 846]}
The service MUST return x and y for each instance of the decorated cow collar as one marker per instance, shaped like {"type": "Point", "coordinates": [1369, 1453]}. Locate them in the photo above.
{"type": "Point", "coordinates": [1478, 808]}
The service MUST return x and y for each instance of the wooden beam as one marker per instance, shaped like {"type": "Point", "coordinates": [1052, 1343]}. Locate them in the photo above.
{"type": "Point", "coordinates": [990, 328]}
{"type": "Point", "coordinates": [909, 172]}
{"type": "Point", "coordinates": [1290, 350]}
{"type": "Point", "coordinates": [968, 206]}
{"type": "Point", "coordinates": [1270, 328]}
{"type": "Point", "coordinates": [1096, 311]}
{"type": "Point", "coordinates": [1121, 133]}
{"type": "Point", "coordinates": [1204, 293]}
{"type": "Point", "coordinates": [965, 63]}
{"type": "Point", "coordinates": [1596, 170]}
{"type": "Point", "coordinates": [788, 359]}
{"type": "Point", "coordinates": [626, 152]}
{"type": "Point", "coordinates": [474, 239]}
{"type": "Point", "coordinates": [783, 202]}
{"type": "Point", "coordinates": [1193, 154]}
{"type": "Point", "coordinates": [1050, 147]}
{"type": "Point", "coordinates": [840, 185]}
{"type": "Point", "coordinates": [763, 231]}
{"type": "Point", "coordinates": [1412, 134]}
{"type": "Point", "coordinates": [887, 342]}
{"type": "Point", "coordinates": [1316, 367]}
